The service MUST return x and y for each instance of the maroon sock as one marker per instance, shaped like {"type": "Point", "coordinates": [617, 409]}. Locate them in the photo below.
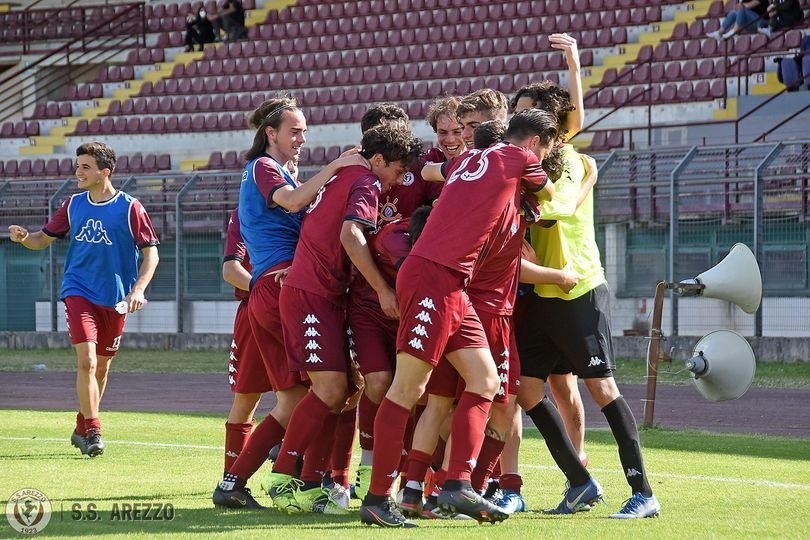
{"type": "Point", "coordinates": [511, 482]}
{"type": "Point", "coordinates": [467, 432]}
{"type": "Point", "coordinates": [342, 447]}
{"type": "Point", "coordinates": [308, 418]}
{"type": "Point", "coordinates": [317, 454]}
{"type": "Point", "coordinates": [267, 434]}
{"type": "Point", "coordinates": [367, 412]}
{"type": "Point", "coordinates": [487, 458]}
{"type": "Point", "coordinates": [389, 430]}
{"type": "Point", "coordinates": [92, 424]}
{"type": "Point", "coordinates": [236, 435]}
{"type": "Point", "coordinates": [418, 463]}
{"type": "Point", "coordinates": [80, 429]}
{"type": "Point", "coordinates": [438, 480]}
{"type": "Point", "coordinates": [496, 472]}
{"type": "Point", "coordinates": [438, 454]}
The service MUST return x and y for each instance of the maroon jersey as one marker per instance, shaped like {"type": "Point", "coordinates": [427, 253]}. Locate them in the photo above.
{"type": "Point", "coordinates": [493, 286]}
{"type": "Point", "coordinates": [389, 246]}
{"type": "Point", "coordinates": [401, 201]}
{"type": "Point", "coordinates": [235, 250]}
{"type": "Point", "coordinates": [474, 200]}
{"type": "Point", "coordinates": [321, 265]}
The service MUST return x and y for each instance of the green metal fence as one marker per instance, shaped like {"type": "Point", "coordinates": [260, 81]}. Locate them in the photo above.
{"type": "Point", "coordinates": [661, 215]}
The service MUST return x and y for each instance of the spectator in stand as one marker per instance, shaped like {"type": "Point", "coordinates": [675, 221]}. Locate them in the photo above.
{"type": "Point", "coordinates": [742, 18]}
{"type": "Point", "coordinates": [232, 20]}
{"type": "Point", "coordinates": [782, 14]}
{"type": "Point", "coordinates": [199, 30]}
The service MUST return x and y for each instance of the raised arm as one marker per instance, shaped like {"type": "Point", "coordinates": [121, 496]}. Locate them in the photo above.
{"type": "Point", "coordinates": [567, 44]}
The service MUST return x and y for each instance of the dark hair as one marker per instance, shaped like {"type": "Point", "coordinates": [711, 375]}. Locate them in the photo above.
{"type": "Point", "coordinates": [103, 154]}
{"type": "Point", "coordinates": [488, 133]}
{"type": "Point", "coordinates": [446, 105]}
{"type": "Point", "coordinates": [532, 122]}
{"type": "Point", "coordinates": [394, 142]}
{"type": "Point", "coordinates": [486, 100]}
{"type": "Point", "coordinates": [418, 220]}
{"type": "Point", "coordinates": [380, 112]}
{"type": "Point", "coordinates": [270, 113]}
{"type": "Point", "coordinates": [549, 97]}
{"type": "Point", "coordinates": [554, 164]}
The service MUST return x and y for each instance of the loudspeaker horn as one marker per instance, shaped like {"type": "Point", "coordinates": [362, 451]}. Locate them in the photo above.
{"type": "Point", "coordinates": [736, 278]}
{"type": "Point", "coordinates": [722, 365]}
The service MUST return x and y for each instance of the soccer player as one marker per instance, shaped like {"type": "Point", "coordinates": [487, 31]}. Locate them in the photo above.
{"type": "Point", "coordinates": [271, 207]}
{"type": "Point", "coordinates": [477, 108]}
{"type": "Point", "coordinates": [373, 333]}
{"type": "Point", "coordinates": [575, 332]}
{"type": "Point", "coordinates": [313, 301]}
{"type": "Point", "coordinates": [246, 374]}
{"type": "Point", "coordinates": [108, 229]}
{"type": "Point", "coordinates": [437, 318]}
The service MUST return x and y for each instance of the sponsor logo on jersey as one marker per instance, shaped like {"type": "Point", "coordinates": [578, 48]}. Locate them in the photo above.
{"type": "Point", "coordinates": [93, 232]}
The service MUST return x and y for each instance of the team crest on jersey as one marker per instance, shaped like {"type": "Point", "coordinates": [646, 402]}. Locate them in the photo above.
{"type": "Point", "coordinates": [244, 175]}
{"type": "Point", "coordinates": [409, 179]}
{"type": "Point", "coordinates": [93, 231]}
{"type": "Point", "coordinates": [388, 211]}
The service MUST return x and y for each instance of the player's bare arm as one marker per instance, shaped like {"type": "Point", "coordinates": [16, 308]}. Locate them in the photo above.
{"type": "Point", "coordinates": [432, 172]}
{"type": "Point", "coordinates": [235, 274]}
{"type": "Point", "coordinates": [135, 299]}
{"type": "Point", "coordinates": [567, 44]}
{"type": "Point", "coordinates": [296, 199]}
{"type": "Point", "coordinates": [34, 241]}
{"type": "Point", "coordinates": [565, 278]}
{"type": "Point", "coordinates": [591, 176]}
{"type": "Point", "coordinates": [356, 246]}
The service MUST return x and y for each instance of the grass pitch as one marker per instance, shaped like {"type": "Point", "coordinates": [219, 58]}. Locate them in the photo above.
{"type": "Point", "coordinates": [719, 486]}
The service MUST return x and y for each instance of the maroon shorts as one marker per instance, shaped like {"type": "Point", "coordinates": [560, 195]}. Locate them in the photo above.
{"type": "Point", "coordinates": [444, 380]}
{"type": "Point", "coordinates": [373, 339]}
{"type": "Point", "coordinates": [88, 322]}
{"type": "Point", "coordinates": [265, 323]}
{"type": "Point", "coordinates": [314, 331]}
{"type": "Point", "coordinates": [514, 363]}
{"type": "Point", "coordinates": [497, 328]}
{"type": "Point", "coordinates": [435, 312]}
{"type": "Point", "coordinates": [246, 372]}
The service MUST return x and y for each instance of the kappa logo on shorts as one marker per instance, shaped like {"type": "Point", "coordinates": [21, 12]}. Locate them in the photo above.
{"type": "Point", "coordinates": [419, 330]}
{"type": "Point", "coordinates": [427, 303]}
{"type": "Point", "coordinates": [424, 316]}
{"type": "Point", "coordinates": [503, 366]}
{"type": "Point", "coordinates": [232, 357]}
{"type": "Point", "coordinates": [314, 359]}
{"type": "Point", "coordinates": [416, 343]}
{"type": "Point", "coordinates": [231, 368]}
{"type": "Point", "coordinates": [312, 345]}
{"type": "Point", "coordinates": [233, 344]}
{"type": "Point", "coordinates": [93, 231]}
{"type": "Point", "coordinates": [311, 319]}
{"type": "Point", "coordinates": [595, 361]}
{"type": "Point", "coordinates": [394, 474]}
{"type": "Point", "coordinates": [632, 472]}
{"type": "Point", "coordinates": [311, 332]}
{"type": "Point", "coordinates": [231, 380]}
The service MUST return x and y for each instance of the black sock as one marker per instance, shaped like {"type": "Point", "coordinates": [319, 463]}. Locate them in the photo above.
{"type": "Point", "coordinates": [548, 421]}
{"type": "Point", "coordinates": [373, 500]}
{"type": "Point", "coordinates": [452, 485]}
{"type": "Point", "coordinates": [623, 425]}
{"type": "Point", "coordinates": [309, 485]}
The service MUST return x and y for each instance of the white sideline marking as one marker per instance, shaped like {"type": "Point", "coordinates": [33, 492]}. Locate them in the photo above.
{"type": "Point", "coordinates": [133, 443]}
{"type": "Point", "coordinates": [749, 482]}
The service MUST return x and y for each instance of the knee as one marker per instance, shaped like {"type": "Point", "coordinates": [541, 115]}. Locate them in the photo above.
{"type": "Point", "coordinates": [333, 395]}
{"type": "Point", "coordinates": [377, 384]}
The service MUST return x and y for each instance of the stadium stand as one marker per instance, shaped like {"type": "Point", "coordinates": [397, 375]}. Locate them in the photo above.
{"type": "Point", "coordinates": [346, 55]}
